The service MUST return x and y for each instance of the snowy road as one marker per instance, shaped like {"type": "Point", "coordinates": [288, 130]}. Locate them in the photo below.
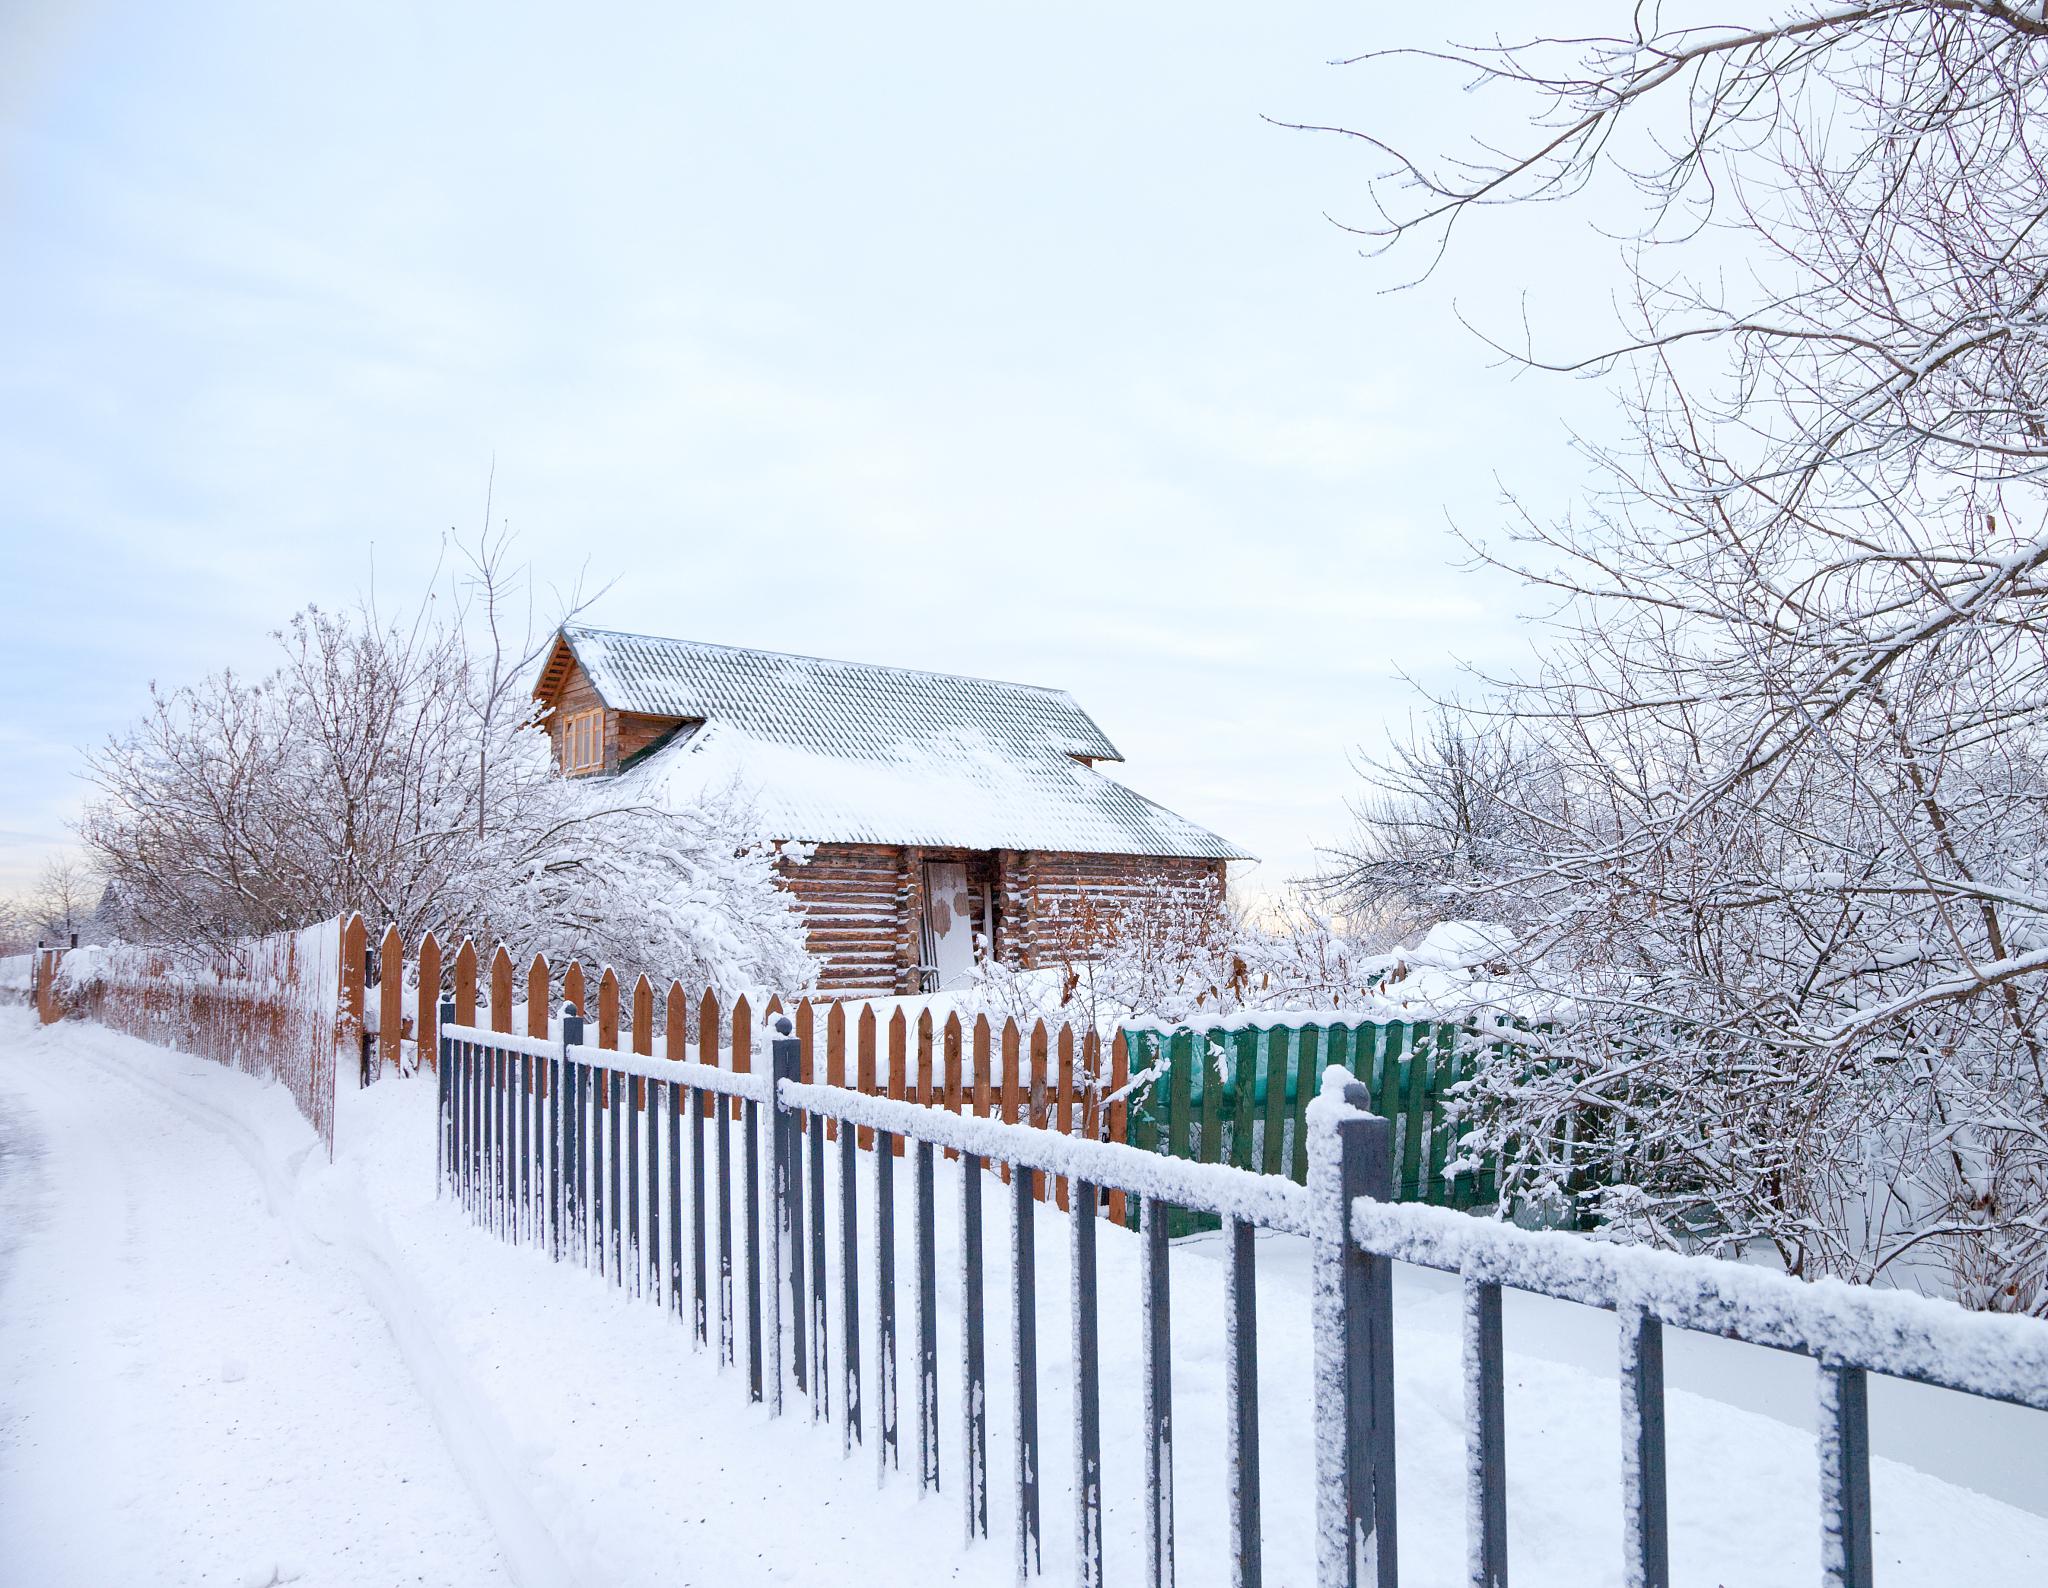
{"type": "Point", "coordinates": [189, 1394]}
{"type": "Point", "coordinates": [225, 1361]}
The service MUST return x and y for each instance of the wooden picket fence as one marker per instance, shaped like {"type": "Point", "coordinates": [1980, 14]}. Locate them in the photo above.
{"type": "Point", "coordinates": [1054, 1078]}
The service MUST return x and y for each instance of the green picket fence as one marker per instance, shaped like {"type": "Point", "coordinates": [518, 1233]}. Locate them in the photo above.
{"type": "Point", "coordinates": [1240, 1097]}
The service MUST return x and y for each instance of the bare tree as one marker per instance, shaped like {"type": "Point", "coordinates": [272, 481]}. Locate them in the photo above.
{"type": "Point", "coordinates": [1796, 680]}
{"type": "Point", "coordinates": [1447, 822]}
{"type": "Point", "coordinates": [394, 768]}
{"type": "Point", "coordinates": [65, 900]}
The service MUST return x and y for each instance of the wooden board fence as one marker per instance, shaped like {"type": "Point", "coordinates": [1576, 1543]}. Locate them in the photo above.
{"type": "Point", "coordinates": [1049, 1075]}
{"type": "Point", "coordinates": [1239, 1095]}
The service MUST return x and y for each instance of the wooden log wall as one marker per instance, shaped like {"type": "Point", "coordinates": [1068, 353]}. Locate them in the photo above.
{"type": "Point", "coordinates": [1055, 903]}
{"type": "Point", "coordinates": [855, 916]}
{"type": "Point", "coordinates": [1057, 1078]}
{"type": "Point", "coordinates": [863, 906]}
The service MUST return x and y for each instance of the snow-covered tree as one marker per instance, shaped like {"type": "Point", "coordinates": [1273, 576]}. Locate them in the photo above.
{"type": "Point", "coordinates": [393, 767]}
{"type": "Point", "coordinates": [1795, 684]}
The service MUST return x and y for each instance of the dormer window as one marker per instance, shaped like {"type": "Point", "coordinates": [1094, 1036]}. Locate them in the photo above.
{"type": "Point", "coordinates": [583, 741]}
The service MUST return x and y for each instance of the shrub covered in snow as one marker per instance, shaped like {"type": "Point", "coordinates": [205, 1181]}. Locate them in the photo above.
{"type": "Point", "coordinates": [1187, 960]}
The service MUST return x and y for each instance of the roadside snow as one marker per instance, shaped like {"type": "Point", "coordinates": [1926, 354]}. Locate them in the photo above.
{"type": "Point", "coordinates": [194, 1389]}
{"type": "Point", "coordinates": [397, 1364]}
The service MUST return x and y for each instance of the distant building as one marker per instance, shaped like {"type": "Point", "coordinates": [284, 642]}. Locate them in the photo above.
{"type": "Point", "coordinates": [950, 816]}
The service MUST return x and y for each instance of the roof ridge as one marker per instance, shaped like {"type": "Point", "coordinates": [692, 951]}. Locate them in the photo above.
{"type": "Point", "coordinates": [828, 661]}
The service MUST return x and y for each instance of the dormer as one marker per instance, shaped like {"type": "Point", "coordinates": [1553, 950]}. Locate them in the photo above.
{"type": "Point", "coordinates": [589, 735]}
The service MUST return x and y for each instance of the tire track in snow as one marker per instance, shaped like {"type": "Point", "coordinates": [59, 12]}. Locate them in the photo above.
{"type": "Point", "coordinates": [327, 1220]}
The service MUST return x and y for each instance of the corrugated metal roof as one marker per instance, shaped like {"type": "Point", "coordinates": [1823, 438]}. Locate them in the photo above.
{"type": "Point", "coordinates": [849, 752]}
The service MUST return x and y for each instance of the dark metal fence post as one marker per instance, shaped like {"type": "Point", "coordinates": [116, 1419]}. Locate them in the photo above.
{"type": "Point", "coordinates": [887, 1433]}
{"type": "Point", "coordinates": [974, 1354]}
{"type": "Point", "coordinates": [1351, 1156]}
{"type": "Point", "coordinates": [851, 1413]}
{"type": "Point", "coordinates": [1024, 1344]}
{"type": "Point", "coordinates": [927, 1322]}
{"type": "Point", "coordinates": [750, 1130]}
{"type": "Point", "coordinates": [1155, 1330]}
{"type": "Point", "coordinates": [1087, 1395]}
{"type": "Point", "coordinates": [821, 1367]}
{"type": "Point", "coordinates": [1845, 1553]}
{"type": "Point", "coordinates": [556, 1074]}
{"type": "Point", "coordinates": [444, 1082]}
{"type": "Point", "coordinates": [1645, 1532]}
{"type": "Point", "coordinates": [572, 1112]}
{"type": "Point", "coordinates": [1486, 1456]}
{"type": "Point", "coordinates": [1241, 1391]}
{"type": "Point", "coordinates": [785, 1064]}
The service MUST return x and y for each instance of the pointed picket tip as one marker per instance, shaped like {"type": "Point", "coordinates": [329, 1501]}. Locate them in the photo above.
{"type": "Point", "coordinates": [390, 943]}
{"type": "Point", "coordinates": [924, 1023]}
{"type": "Point", "coordinates": [953, 1027]}
{"type": "Point", "coordinates": [835, 1021]}
{"type": "Point", "coordinates": [867, 1022]}
{"type": "Point", "coordinates": [608, 983]}
{"type": "Point", "coordinates": [707, 1007]}
{"type": "Point", "coordinates": [899, 1027]}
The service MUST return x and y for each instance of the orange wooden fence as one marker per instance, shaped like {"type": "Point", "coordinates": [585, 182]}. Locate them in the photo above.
{"type": "Point", "coordinates": [1051, 1077]}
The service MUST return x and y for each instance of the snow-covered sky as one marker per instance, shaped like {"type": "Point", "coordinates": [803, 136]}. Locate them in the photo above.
{"type": "Point", "coordinates": [1006, 340]}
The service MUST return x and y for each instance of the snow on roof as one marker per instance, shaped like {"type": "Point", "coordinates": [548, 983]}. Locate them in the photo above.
{"type": "Point", "coordinates": [849, 752]}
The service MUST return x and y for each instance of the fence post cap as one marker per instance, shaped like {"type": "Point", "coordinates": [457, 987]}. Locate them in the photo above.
{"type": "Point", "coordinates": [571, 1012]}
{"type": "Point", "coordinates": [784, 1026]}
{"type": "Point", "coordinates": [448, 1011]}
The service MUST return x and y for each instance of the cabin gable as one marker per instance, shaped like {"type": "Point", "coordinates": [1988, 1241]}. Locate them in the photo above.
{"type": "Point", "coordinates": [588, 736]}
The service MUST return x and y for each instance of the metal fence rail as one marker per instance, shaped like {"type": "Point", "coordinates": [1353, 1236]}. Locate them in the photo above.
{"type": "Point", "coordinates": [581, 1150]}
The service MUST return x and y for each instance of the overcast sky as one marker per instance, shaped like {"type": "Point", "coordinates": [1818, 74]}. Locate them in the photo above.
{"type": "Point", "coordinates": [1000, 340]}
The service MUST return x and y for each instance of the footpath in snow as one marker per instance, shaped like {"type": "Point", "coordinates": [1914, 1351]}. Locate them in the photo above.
{"type": "Point", "coordinates": [223, 1360]}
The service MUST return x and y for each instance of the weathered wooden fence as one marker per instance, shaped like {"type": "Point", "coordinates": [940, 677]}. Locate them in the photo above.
{"type": "Point", "coordinates": [263, 1005]}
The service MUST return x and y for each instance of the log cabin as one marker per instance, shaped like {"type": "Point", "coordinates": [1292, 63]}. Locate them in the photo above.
{"type": "Point", "coordinates": [928, 820]}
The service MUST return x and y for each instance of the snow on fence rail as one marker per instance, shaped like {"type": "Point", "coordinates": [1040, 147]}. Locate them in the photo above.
{"type": "Point", "coordinates": [542, 1139]}
{"type": "Point", "coordinates": [264, 1005]}
{"type": "Point", "coordinates": [1063, 1078]}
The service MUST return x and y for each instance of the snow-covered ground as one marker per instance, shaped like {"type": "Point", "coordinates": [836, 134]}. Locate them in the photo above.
{"type": "Point", "coordinates": [224, 1361]}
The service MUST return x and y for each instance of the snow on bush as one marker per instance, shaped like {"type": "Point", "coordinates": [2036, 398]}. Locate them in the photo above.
{"type": "Point", "coordinates": [1191, 959]}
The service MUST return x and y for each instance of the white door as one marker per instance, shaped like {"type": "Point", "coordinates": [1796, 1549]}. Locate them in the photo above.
{"type": "Point", "coordinates": [949, 923]}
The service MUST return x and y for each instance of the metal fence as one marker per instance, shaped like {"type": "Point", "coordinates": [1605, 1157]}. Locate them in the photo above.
{"type": "Point", "coordinates": [580, 1150]}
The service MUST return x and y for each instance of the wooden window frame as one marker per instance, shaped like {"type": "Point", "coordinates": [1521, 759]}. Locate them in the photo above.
{"type": "Point", "coordinates": [582, 742]}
